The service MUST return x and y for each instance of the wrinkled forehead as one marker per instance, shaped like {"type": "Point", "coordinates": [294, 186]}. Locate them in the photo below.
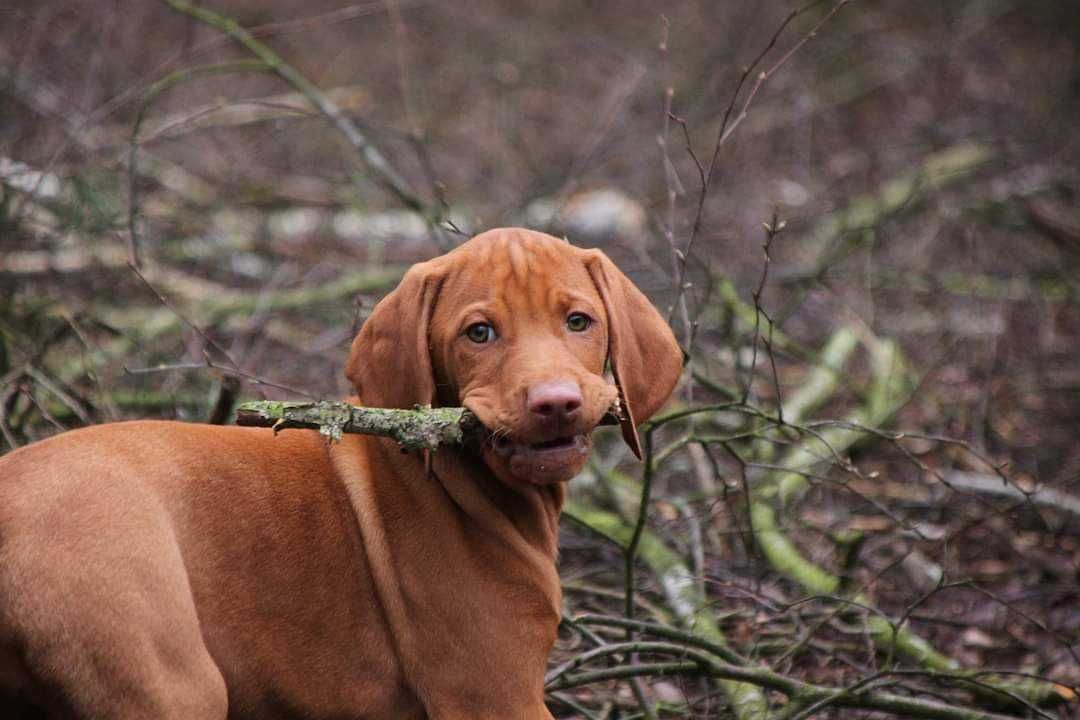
{"type": "Point", "coordinates": [518, 273]}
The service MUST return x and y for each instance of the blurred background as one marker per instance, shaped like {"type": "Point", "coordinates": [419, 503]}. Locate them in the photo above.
{"type": "Point", "coordinates": [914, 168]}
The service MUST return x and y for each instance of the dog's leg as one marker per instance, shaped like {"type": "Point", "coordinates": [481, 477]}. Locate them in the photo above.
{"type": "Point", "coordinates": [98, 618]}
{"type": "Point", "coordinates": [152, 666]}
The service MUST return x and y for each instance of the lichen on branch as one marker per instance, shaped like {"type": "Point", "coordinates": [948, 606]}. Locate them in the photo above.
{"type": "Point", "coordinates": [422, 428]}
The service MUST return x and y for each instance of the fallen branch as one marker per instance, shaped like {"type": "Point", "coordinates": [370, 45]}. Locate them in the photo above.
{"type": "Point", "coordinates": [993, 485]}
{"type": "Point", "coordinates": [891, 385]}
{"type": "Point", "coordinates": [683, 596]}
{"type": "Point", "coordinates": [842, 232]}
{"type": "Point", "coordinates": [801, 695]}
{"type": "Point", "coordinates": [424, 428]}
{"type": "Point", "coordinates": [221, 307]}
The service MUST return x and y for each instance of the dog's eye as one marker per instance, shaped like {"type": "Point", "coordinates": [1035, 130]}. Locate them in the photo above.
{"type": "Point", "coordinates": [578, 322]}
{"type": "Point", "coordinates": [480, 333]}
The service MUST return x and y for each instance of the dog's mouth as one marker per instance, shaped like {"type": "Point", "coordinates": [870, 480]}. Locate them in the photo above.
{"type": "Point", "coordinates": [539, 456]}
{"type": "Point", "coordinates": [506, 446]}
{"type": "Point", "coordinates": [556, 459]}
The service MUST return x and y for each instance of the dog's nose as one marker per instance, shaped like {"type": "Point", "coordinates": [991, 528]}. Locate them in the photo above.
{"type": "Point", "coordinates": [552, 401]}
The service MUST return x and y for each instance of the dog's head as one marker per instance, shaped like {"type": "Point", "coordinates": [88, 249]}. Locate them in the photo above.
{"type": "Point", "coordinates": [517, 326]}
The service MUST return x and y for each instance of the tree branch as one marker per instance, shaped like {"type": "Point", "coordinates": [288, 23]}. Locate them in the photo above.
{"type": "Point", "coordinates": [425, 428]}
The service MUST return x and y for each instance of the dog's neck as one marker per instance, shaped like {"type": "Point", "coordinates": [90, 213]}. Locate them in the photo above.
{"type": "Point", "coordinates": [457, 548]}
{"type": "Point", "coordinates": [531, 510]}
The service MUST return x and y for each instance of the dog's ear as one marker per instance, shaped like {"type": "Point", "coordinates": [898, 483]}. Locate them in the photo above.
{"type": "Point", "coordinates": [390, 362]}
{"type": "Point", "coordinates": [644, 356]}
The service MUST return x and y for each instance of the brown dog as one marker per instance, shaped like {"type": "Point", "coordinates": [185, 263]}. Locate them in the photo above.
{"type": "Point", "coordinates": [170, 570]}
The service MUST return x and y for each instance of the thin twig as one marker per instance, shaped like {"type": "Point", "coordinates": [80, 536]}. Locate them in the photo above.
{"type": "Point", "coordinates": [209, 364]}
{"type": "Point", "coordinates": [372, 157]}
{"type": "Point", "coordinates": [148, 98]}
{"type": "Point", "coordinates": [639, 527]}
{"type": "Point", "coordinates": [725, 131]}
{"type": "Point", "coordinates": [772, 229]}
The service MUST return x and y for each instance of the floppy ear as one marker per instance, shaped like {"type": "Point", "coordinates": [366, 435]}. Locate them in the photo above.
{"type": "Point", "coordinates": [390, 363]}
{"type": "Point", "coordinates": [644, 356]}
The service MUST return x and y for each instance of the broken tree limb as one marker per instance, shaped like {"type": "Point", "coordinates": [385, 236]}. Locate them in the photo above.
{"type": "Point", "coordinates": [423, 428]}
